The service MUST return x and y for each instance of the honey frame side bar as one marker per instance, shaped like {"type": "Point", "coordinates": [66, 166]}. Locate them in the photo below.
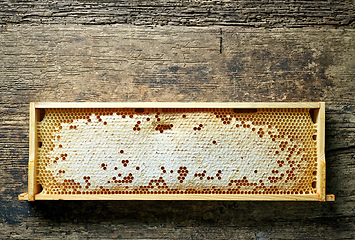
{"type": "Point", "coordinates": [321, 168]}
{"type": "Point", "coordinates": [33, 187]}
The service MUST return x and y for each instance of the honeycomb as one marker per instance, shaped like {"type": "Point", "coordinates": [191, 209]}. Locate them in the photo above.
{"type": "Point", "coordinates": [177, 151]}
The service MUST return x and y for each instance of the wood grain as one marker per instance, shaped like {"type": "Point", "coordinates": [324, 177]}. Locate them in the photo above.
{"type": "Point", "coordinates": [124, 63]}
{"type": "Point", "coordinates": [273, 13]}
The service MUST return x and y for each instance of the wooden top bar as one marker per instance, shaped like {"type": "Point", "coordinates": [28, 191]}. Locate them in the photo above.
{"type": "Point", "coordinates": [177, 105]}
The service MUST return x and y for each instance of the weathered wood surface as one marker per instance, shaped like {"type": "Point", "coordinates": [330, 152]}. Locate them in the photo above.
{"type": "Point", "coordinates": [271, 13]}
{"type": "Point", "coordinates": [125, 63]}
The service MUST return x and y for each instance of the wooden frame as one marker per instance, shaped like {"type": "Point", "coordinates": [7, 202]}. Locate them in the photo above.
{"type": "Point", "coordinates": [318, 117]}
{"type": "Point", "coordinates": [33, 187]}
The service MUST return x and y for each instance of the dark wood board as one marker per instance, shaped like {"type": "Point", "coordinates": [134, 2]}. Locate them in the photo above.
{"type": "Point", "coordinates": [271, 13]}
{"type": "Point", "coordinates": [71, 62]}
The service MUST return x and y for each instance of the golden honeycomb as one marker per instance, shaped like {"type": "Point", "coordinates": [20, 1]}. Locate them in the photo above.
{"type": "Point", "coordinates": [177, 151]}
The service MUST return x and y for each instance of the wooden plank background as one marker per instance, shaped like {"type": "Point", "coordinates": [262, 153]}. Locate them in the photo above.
{"type": "Point", "coordinates": [177, 51]}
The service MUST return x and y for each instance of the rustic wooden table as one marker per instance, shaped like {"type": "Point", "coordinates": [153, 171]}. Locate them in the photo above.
{"type": "Point", "coordinates": [213, 51]}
